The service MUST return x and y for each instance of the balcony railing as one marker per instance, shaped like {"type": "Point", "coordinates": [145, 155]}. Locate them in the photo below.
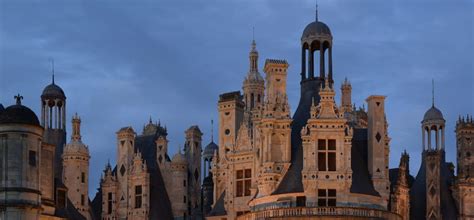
{"type": "Point", "coordinates": [320, 211]}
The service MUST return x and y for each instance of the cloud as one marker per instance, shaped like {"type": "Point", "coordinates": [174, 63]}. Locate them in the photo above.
{"type": "Point", "coordinates": [121, 62]}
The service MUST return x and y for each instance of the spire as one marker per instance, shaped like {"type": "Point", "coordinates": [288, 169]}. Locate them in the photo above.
{"type": "Point", "coordinates": [212, 130]}
{"type": "Point", "coordinates": [316, 10]}
{"type": "Point", "coordinates": [432, 92]}
{"type": "Point", "coordinates": [76, 128]}
{"type": "Point", "coordinates": [52, 69]}
{"type": "Point", "coordinates": [150, 121]}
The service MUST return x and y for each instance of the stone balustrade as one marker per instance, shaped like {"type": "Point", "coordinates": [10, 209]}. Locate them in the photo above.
{"type": "Point", "coordinates": [358, 213]}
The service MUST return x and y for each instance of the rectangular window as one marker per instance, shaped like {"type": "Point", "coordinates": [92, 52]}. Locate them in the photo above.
{"type": "Point", "coordinates": [327, 155]}
{"type": "Point", "coordinates": [109, 203]}
{"type": "Point", "coordinates": [326, 197]}
{"type": "Point", "coordinates": [138, 197]}
{"type": "Point", "coordinates": [184, 199]}
{"type": "Point", "coordinates": [184, 183]}
{"type": "Point", "coordinates": [83, 200]}
{"type": "Point", "coordinates": [32, 158]}
{"type": "Point", "coordinates": [243, 182]}
{"type": "Point", "coordinates": [61, 199]}
{"type": "Point", "coordinates": [83, 177]}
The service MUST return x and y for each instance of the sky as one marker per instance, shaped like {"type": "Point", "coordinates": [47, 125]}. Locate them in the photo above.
{"type": "Point", "coordinates": [122, 62]}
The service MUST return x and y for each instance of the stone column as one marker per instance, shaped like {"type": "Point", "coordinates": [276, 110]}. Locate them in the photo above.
{"type": "Point", "coordinates": [442, 138]}
{"type": "Point", "coordinates": [311, 63]}
{"type": "Point", "coordinates": [330, 62]}
{"type": "Point", "coordinates": [321, 60]}
{"type": "Point", "coordinates": [429, 138]}
{"type": "Point", "coordinates": [303, 63]}
{"type": "Point", "coordinates": [423, 136]}
{"type": "Point", "coordinates": [64, 115]}
{"type": "Point", "coordinates": [437, 138]}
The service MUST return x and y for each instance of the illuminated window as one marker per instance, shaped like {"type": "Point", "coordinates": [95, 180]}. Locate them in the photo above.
{"type": "Point", "coordinates": [327, 155]}
{"type": "Point", "coordinates": [326, 197]}
{"type": "Point", "coordinates": [138, 197]}
{"type": "Point", "coordinates": [243, 182]}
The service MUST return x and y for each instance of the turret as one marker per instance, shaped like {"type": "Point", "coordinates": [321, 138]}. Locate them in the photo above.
{"type": "Point", "coordinates": [400, 199]}
{"type": "Point", "coordinates": [20, 143]}
{"type": "Point", "coordinates": [125, 153]}
{"type": "Point", "coordinates": [75, 161]}
{"type": "Point", "coordinates": [231, 112]}
{"type": "Point", "coordinates": [253, 85]}
{"type": "Point", "coordinates": [346, 90]}
{"type": "Point", "coordinates": [193, 149]}
{"type": "Point", "coordinates": [179, 192]}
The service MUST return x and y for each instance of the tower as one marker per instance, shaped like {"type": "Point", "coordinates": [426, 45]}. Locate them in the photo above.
{"type": "Point", "coordinates": [125, 154]}
{"type": "Point", "coordinates": [464, 183]}
{"type": "Point", "coordinates": [400, 199]}
{"type": "Point", "coordinates": [193, 150]}
{"type": "Point", "coordinates": [53, 119]}
{"type": "Point", "coordinates": [253, 85]}
{"type": "Point", "coordinates": [378, 146]}
{"type": "Point", "coordinates": [75, 161]}
{"type": "Point", "coordinates": [433, 125]}
{"type": "Point", "coordinates": [346, 90]}
{"type": "Point", "coordinates": [20, 146]}
{"type": "Point", "coordinates": [179, 192]}
{"type": "Point", "coordinates": [231, 112]}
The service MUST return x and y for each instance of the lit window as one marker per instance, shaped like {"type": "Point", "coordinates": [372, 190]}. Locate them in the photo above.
{"type": "Point", "coordinates": [138, 197]}
{"type": "Point", "coordinates": [326, 197]}
{"type": "Point", "coordinates": [327, 155]}
{"type": "Point", "coordinates": [243, 182]}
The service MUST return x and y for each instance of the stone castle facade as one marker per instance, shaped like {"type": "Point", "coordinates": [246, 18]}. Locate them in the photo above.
{"type": "Point", "coordinates": [327, 160]}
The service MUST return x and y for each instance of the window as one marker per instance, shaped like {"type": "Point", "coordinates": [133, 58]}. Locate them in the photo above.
{"type": "Point", "coordinates": [32, 158]}
{"type": "Point", "coordinates": [109, 203]}
{"type": "Point", "coordinates": [184, 199]}
{"type": "Point", "coordinates": [327, 155]}
{"type": "Point", "coordinates": [138, 197]}
{"type": "Point", "coordinates": [82, 200]}
{"type": "Point", "coordinates": [326, 197]}
{"type": "Point", "coordinates": [83, 177]}
{"type": "Point", "coordinates": [184, 183]}
{"type": "Point", "coordinates": [61, 199]}
{"type": "Point", "coordinates": [243, 182]}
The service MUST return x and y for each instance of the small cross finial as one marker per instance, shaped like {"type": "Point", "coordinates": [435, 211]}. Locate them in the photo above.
{"type": "Point", "coordinates": [432, 92]}
{"type": "Point", "coordinates": [18, 99]}
{"type": "Point", "coordinates": [316, 10]}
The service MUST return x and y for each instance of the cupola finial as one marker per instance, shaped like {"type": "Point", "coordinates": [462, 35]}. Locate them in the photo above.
{"type": "Point", "coordinates": [52, 68]}
{"type": "Point", "coordinates": [212, 130]}
{"type": "Point", "coordinates": [316, 10]}
{"type": "Point", "coordinates": [432, 92]}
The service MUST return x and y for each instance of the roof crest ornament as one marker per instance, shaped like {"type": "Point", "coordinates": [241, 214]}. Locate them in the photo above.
{"type": "Point", "coordinates": [18, 99]}
{"type": "Point", "coordinates": [52, 68]}
{"type": "Point", "coordinates": [212, 130]}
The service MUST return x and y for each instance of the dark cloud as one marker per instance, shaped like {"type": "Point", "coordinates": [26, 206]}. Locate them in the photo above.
{"type": "Point", "coordinates": [121, 62]}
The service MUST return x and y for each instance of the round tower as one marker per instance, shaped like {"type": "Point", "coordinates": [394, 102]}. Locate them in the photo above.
{"type": "Point", "coordinates": [76, 169]}
{"type": "Point", "coordinates": [20, 148]}
{"type": "Point", "coordinates": [433, 130]}
{"type": "Point", "coordinates": [179, 198]}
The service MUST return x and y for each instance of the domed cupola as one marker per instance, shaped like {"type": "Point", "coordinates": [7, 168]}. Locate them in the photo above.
{"type": "Point", "coordinates": [433, 126]}
{"type": "Point", "coordinates": [18, 114]}
{"type": "Point", "coordinates": [316, 37]}
{"type": "Point", "coordinates": [179, 158]}
{"type": "Point", "coordinates": [208, 152]}
{"type": "Point", "coordinates": [53, 107]}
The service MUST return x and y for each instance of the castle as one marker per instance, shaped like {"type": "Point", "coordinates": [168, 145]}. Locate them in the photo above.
{"type": "Point", "coordinates": [325, 161]}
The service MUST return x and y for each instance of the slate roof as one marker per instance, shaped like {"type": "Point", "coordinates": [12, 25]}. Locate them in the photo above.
{"type": "Point", "coordinates": [18, 114]}
{"type": "Point", "coordinates": [53, 91]}
{"type": "Point", "coordinates": [292, 181]}
{"type": "Point", "coordinates": [160, 206]}
{"type": "Point", "coordinates": [316, 28]}
{"type": "Point", "coordinates": [219, 208]}
{"type": "Point", "coordinates": [418, 192]}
